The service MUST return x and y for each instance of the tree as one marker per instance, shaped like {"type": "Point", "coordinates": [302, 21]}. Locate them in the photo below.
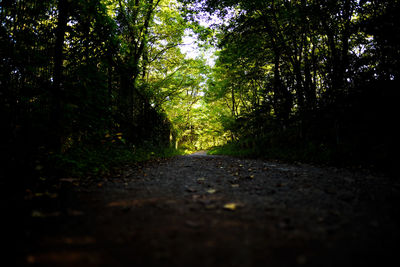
{"type": "Point", "coordinates": [310, 67]}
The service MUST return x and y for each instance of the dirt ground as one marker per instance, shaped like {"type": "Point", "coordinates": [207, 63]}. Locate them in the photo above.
{"type": "Point", "coordinates": [201, 210]}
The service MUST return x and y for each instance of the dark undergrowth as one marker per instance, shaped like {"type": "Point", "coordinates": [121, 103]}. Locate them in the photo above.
{"type": "Point", "coordinates": [102, 160]}
{"type": "Point", "coordinates": [83, 162]}
{"type": "Point", "coordinates": [310, 153]}
{"type": "Point", "coordinates": [86, 164]}
{"type": "Point", "coordinates": [284, 154]}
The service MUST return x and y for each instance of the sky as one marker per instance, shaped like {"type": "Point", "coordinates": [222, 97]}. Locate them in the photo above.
{"type": "Point", "coordinates": [189, 46]}
{"type": "Point", "coordinates": [191, 49]}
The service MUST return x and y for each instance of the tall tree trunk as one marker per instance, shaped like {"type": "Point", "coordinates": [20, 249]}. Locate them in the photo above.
{"type": "Point", "coordinates": [309, 86]}
{"type": "Point", "coordinates": [233, 102]}
{"type": "Point", "coordinates": [56, 112]}
{"type": "Point", "coordinates": [282, 98]}
{"type": "Point", "coordinates": [126, 101]}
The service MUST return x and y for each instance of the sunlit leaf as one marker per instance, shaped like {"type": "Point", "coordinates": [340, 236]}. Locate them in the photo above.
{"type": "Point", "coordinates": [211, 191]}
{"type": "Point", "coordinates": [39, 214]}
{"type": "Point", "coordinates": [230, 206]}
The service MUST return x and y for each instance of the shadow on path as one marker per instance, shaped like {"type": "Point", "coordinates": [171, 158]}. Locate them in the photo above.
{"type": "Point", "coordinates": [200, 210]}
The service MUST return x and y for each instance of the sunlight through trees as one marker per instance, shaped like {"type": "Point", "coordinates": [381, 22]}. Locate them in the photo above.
{"type": "Point", "coordinates": [317, 78]}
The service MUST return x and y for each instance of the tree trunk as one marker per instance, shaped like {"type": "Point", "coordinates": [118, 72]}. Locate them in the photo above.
{"type": "Point", "coordinates": [282, 98]}
{"type": "Point", "coordinates": [56, 112]}
{"type": "Point", "coordinates": [233, 102]}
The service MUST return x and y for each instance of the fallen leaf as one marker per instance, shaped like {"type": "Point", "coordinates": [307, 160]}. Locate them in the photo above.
{"type": "Point", "coordinates": [51, 195]}
{"type": "Point", "coordinates": [39, 214]}
{"type": "Point", "coordinates": [79, 240]}
{"type": "Point", "coordinates": [75, 212]}
{"type": "Point", "coordinates": [36, 213]}
{"type": "Point", "coordinates": [39, 167]}
{"type": "Point", "coordinates": [230, 206]}
{"type": "Point", "coordinates": [211, 191]}
{"type": "Point", "coordinates": [189, 189]}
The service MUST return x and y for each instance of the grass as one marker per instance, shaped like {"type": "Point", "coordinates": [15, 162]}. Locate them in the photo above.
{"type": "Point", "coordinates": [309, 153]}
{"type": "Point", "coordinates": [231, 149]}
{"type": "Point", "coordinates": [101, 160]}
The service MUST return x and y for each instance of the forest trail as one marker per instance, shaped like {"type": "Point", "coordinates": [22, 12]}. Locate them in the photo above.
{"type": "Point", "coordinates": [201, 210]}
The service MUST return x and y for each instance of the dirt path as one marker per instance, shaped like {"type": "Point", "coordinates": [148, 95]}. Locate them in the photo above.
{"type": "Point", "coordinates": [201, 210]}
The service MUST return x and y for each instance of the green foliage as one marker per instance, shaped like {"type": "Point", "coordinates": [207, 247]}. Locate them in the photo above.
{"type": "Point", "coordinates": [254, 148]}
{"type": "Point", "coordinates": [73, 72]}
{"type": "Point", "coordinates": [195, 124]}
{"type": "Point", "coordinates": [294, 77]}
{"type": "Point", "coordinates": [104, 159]}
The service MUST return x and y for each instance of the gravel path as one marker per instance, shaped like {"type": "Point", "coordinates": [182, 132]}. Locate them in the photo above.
{"type": "Point", "coordinates": [201, 210]}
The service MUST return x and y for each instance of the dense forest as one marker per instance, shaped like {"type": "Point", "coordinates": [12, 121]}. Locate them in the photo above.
{"type": "Point", "coordinates": [86, 84]}
{"type": "Point", "coordinates": [310, 80]}
{"type": "Point", "coordinates": [87, 81]}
